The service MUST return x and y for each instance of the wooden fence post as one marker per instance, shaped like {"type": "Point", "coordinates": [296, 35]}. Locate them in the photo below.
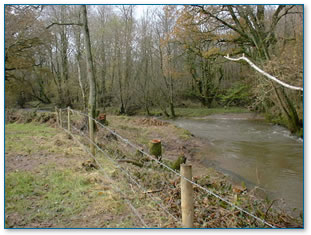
{"type": "Point", "coordinates": [68, 117]}
{"type": "Point", "coordinates": [187, 209]}
{"type": "Point", "coordinates": [56, 113]}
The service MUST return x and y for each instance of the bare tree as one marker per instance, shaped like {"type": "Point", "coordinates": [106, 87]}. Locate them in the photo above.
{"type": "Point", "coordinates": [90, 76]}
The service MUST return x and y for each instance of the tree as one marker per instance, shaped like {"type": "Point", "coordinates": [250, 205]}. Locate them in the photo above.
{"type": "Point", "coordinates": [167, 49]}
{"type": "Point", "coordinates": [79, 49]}
{"type": "Point", "coordinates": [145, 58]}
{"type": "Point", "coordinates": [253, 31]}
{"type": "Point", "coordinates": [202, 56]}
{"type": "Point", "coordinates": [26, 44]}
{"type": "Point", "coordinates": [250, 27]}
{"type": "Point", "coordinates": [90, 76]}
{"type": "Point", "coordinates": [59, 59]}
{"type": "Point", "coordinates": [126, 77]}
{"type": "Point", "coordinates": [24, 34]}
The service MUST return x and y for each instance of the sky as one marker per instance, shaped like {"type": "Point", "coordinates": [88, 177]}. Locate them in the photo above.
{"type": "Point", "coordinates": [140, 9]}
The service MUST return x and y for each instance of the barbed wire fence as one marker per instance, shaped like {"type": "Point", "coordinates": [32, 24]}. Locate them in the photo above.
{"type": "Point", "coordinates": [126, 173]}
{"type": "Point", "coordinates": [131, 206]}
{"type": "Point", "coordinates": [74, 130]}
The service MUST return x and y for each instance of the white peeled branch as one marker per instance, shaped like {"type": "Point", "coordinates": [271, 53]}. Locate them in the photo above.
{"type": "Point", "coordinates": [264, 73]}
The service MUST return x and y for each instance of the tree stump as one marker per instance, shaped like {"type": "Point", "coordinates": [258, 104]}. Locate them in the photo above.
{"type": "Point", "coordinates": [180, 160]}
{"type": "Point", "coordinates": [102, 119]}
{"type": "Point", "coordinates": [155, 148]}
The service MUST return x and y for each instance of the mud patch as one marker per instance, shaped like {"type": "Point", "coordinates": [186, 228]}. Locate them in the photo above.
{"type": "Point", "coordinates": [23, 162]}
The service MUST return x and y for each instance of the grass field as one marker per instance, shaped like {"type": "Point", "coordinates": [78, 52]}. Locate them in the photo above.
{"type": "Point", "coordinates": [47, 186]}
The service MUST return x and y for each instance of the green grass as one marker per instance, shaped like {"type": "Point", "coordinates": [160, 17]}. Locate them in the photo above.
{"type": "Point", "coordinates": [201, 112]}
{"type": "Point", "coordinates": [30, 129]}
{"type": "Point", "coordinates": [26, 138]}
{"type": "Point", "coordinates": [55, 195]}
{"type": "Point", "coordinates": [185, 134]}
{"type": "Point", "coordinates": [46, 194]}
{"type": "Point", "coordinates": [61, 194]}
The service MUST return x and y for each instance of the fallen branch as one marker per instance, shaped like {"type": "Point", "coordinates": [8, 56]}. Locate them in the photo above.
{"type": "Point", "coordinates": [153, 191]}
{"type": "Point", "coordinates": [264, 73]}
{"type": "Point", "coordinates": [131, 161]}
{"type": "Point", "coordinates": [266, 214]}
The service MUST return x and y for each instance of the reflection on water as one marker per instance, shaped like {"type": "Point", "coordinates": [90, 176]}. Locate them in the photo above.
{"type": "Point", "coordinates": [263, 154]}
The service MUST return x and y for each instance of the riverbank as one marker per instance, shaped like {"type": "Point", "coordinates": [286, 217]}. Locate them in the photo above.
{"type": "Point", "coordinates": [260, 154]}
{"type": "Point", "coordinates": [187, 112]}
{"type": "Point", "coordinates": [209, 212]}
{"type": "Point", "coordinates": [194, 111]}
{"type": "Point", "coordinates": [216, 113]}
{"type": "Point", "coordinates": [232, 116]}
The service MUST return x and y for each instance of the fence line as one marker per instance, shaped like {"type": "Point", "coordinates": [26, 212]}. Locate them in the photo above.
{"type": "Point", "coordinates": [127, 173]}
{"type": "Point", "coordinates": [109, 178]}
{"type": "Point", "coordinates": [177, 173]}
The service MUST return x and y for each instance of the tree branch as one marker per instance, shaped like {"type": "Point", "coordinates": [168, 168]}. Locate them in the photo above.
{"type": "Point", "coordinates": [264, 73]}
{"type": "Point", "coordinates": [55, 23]}
{"type": "Point", "coordinates": [238, 30]}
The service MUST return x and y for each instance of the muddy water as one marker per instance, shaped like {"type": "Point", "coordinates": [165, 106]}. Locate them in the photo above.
{"type": "Point", "coordinates": [254, 152]}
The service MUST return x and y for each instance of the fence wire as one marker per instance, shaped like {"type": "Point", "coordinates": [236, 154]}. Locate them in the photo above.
{"type": "Point", "coordinates": [136, 213]}
{"type": "Point", "coordinates": [126, 173]}
{"type": "Point", "coordinates": [126, 141]}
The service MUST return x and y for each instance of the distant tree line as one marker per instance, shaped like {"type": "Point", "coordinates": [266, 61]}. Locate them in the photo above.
{"type": "Point", "coordinates": [166, 57]}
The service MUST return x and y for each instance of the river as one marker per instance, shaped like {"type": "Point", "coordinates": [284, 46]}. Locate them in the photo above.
{"type": "Point", "coordinates": [255, 152]}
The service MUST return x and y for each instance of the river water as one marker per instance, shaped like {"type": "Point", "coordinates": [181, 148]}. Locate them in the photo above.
{"type": "Point", "coordinates": [255, 152]}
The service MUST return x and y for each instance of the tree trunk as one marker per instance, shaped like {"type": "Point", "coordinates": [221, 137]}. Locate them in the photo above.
{"type": "Point", "coordinates": [57, 76]}
{"type": "Point", "coordinates": [285, 104]}
{"type": "Point", "coordinates": [91, 77]}
{"type": "Point", "coordinates": [172, 109]}
{"type": "Point", "coordinates": [147, 109]}
{"type": "Point", "coordinates": [80, 83]}
{"type": "Point", "coordinates": [78, 58]}
{"type": "Point", "coordinates": [295, 123]}
{"type": "Point", "coordinates": [64, 58]}
{"type": "Point", "coordinates": [172, 98]}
